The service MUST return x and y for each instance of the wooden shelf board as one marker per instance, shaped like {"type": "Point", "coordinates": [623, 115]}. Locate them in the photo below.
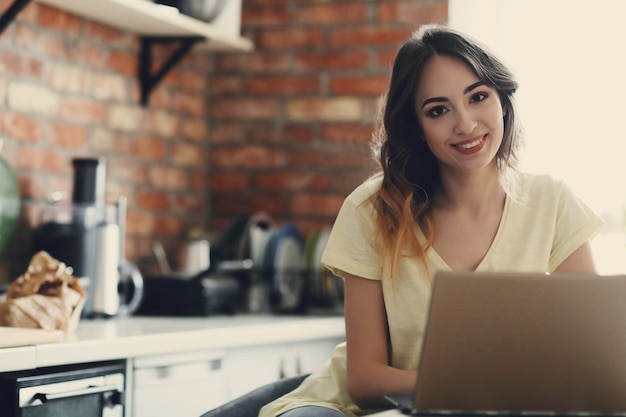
{"type": "Point", "coordinates": [145, 18]}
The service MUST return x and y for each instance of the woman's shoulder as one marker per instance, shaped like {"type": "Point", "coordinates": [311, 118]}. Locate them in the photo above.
{"type": "Point", "coordinates": [364, 192]}
{"type": "Point", "coordinates": [527, 183]}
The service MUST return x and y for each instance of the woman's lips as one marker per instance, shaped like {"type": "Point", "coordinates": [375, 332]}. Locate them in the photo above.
{"type": "Point", "coordinates": [470, 146]}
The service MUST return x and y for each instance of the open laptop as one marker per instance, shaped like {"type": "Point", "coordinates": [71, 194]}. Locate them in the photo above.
{"type": "Point", "coordinates": [522, 344]}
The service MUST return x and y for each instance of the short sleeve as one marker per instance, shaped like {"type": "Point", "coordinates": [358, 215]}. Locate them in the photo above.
{"type": "Point", "coordinates": [352, 245]}
{"type": "Point", "coordinates": [575, 224]}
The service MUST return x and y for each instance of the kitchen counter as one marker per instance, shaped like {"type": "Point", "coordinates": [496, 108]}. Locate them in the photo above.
{"type": "Point", "coordinates": [118, 338]}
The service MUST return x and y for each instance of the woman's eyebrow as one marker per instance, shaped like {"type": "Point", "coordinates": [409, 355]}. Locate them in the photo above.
{"type": "Point", "coordinates": [444, 99]}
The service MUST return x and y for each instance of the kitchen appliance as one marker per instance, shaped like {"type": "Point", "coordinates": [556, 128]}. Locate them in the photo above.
{"type": "Point", "coordinates": [9, 203]}
{"type": "Point", "coordinates": [88, 235]}
{"type": "Point", "coordinates": [86, 390]}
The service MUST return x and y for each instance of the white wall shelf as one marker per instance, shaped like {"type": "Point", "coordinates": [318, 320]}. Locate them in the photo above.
{"type": "Point", "coordinates": [145, 18]}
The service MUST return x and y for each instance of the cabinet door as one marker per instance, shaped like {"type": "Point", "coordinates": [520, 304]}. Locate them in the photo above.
{"type": "Point", "coordinates": [306, 357]}
{"type": "Point", "coordinates": [251, 367]}
{"type": "Point", "coordinates": [248, 368]}
{"type": "Point", "coordinates": [182, 385]}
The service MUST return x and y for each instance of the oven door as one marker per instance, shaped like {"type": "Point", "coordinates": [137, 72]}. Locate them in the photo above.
{"type": "Point", "coordinates": [88, 391]}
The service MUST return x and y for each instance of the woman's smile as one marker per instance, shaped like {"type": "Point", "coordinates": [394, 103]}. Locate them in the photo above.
{"type": "Point", "coordinates": [470, 146]}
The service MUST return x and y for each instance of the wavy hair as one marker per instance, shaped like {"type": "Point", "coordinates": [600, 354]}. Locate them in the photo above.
{"type": "Point", "coordinates": [409, 170]}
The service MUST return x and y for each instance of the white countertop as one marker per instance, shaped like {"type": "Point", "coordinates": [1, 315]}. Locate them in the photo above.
{"type": "Point", "coordinates": [106, 339]}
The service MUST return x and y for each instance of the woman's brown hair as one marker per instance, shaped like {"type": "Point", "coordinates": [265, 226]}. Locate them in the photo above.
{"type": "Point", "coordinates": [409, 170]}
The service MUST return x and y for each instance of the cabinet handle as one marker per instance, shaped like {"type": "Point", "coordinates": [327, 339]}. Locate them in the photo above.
{"type": "Point", "coordinates": [116, 397]}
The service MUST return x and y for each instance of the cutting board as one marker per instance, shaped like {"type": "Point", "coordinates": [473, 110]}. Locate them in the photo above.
{"type": "Point", "coordinates": [18, 336]}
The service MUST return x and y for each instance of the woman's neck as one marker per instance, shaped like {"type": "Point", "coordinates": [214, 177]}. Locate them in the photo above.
{"type": "Point", "coordinates": [477, 193]}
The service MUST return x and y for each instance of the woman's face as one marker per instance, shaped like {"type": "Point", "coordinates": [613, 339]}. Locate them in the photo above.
{"type": "Point", "coordinates": [462, 118]}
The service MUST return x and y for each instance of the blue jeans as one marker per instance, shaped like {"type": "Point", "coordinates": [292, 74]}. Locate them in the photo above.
{"type": "Point", "coordinates": [312, 411]}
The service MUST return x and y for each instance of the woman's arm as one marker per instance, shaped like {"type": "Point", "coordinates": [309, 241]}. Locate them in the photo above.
{"type": "Point", "coordinates": [369, 375]}
{"type": "Point", "coordinates": [581, 260]}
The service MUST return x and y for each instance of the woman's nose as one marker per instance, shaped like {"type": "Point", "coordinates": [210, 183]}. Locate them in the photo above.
{"type": "Point", "coordinates": [465, 122]}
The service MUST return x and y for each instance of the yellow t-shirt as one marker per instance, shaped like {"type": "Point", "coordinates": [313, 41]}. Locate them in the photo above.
{"type": "Point", "coordinates": [541, 226]}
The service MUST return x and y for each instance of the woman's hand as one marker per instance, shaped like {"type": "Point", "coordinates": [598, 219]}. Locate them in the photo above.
{"type": "Point", "coordinates": [367, 334]}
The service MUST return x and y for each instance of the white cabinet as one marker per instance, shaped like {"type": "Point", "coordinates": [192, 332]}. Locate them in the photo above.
{"type": "Point", "coordinates": [248, 368]}
{"type": "Point", "coordinates": [181, 385]}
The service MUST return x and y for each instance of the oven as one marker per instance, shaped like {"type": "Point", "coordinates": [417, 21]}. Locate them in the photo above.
{"type": "Point", "coordinates": [86, 390]}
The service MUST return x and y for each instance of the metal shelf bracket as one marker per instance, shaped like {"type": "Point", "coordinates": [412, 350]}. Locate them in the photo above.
{"type": "Point", "coordinates": [149, 80]}
{"type": "Point", "coordinates": [13, 10]}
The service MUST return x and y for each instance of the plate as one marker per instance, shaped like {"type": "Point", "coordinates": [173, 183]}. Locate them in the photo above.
{"type": "Point", "coordinates": [285, 256]}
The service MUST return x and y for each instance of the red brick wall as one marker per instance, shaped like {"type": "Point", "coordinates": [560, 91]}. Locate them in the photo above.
{"type": "Point", "coordinates": [284, 129]}
{"type": "Point", "coordinates": [291, 122]}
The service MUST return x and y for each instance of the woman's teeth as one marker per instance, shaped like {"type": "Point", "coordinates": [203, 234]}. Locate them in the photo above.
{"type": "Point", "coordinates": [471, 144]}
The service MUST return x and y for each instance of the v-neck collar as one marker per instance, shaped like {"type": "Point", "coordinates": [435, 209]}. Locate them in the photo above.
{"type": "Point", "coordinates": [440, 263]}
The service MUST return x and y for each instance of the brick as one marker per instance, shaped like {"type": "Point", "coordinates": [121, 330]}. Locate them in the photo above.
{"type": "Point", "coordinates": [290, 181]}
{"type": "Point", "coordinates": [186, 154]}
{"type": "Point", "coordinates": [324, 14]}
{"type": "Point", "coordinates": [283, 85]}
{"type": "Point", "coordinates": [87, 54]}
{"type": "Point", "coordinates": [324, 205]}
{"type": "Point", "coordinates": [263, 16]}
{"type": "Point", "coordinates": [244, 108]}
{"type": "Point", "coordinates": [195, 129]}
{"type": "Point", "coordinates": [266, 62]}
{"type": "Point", "coordinates": [102, 140]}
{"type": "Point", "coordinates": [38, 42]}
{"type": "Point", "coordinates": [348, 133]}
{"type": "Point", "coordinates": [95, 31]}
{"type": "Point", "coordinates": [3, 90]}
{"type": "Point", "coordinates": [248, 203]}
{"type": "Point", "coordinates": [162, 123]}
{"type": "Point", "coordinates": [125, 118]}
{"type": "Point", "coordinates": [372, 86]}
{"type": "Point", "coordinates": [194, 81]}
{"type": "Point", "coordinates": [56, 19]}
{"type": "Point", "coordinates": [229, 182]}
{"type": "Point", "coordinates": [21, 127]}
{"type": "Point", "coordinates": [126, 170]}
{"type": "Point", "coordinates": [199, 181]}
{"type": "Point", "coordinates": [414, 12]}
{"type": "Point", "coordinates": [328, 61]}
{"type": "Point", "coordinates": [68, 78]}
{"type": "Point", "coordinates": [168, 225]}
{"type": "Point", "coordinates": [139, 222]}
{"type": "Point", "coordinates": [324, 109]}
{"type": "Point", "coordinates": [12, 63]}
{"type": "Point", "coordinates": [110, 87]}
{"type": "Point", "coordinates": [41, 159]}
{"type": "Point", "coordinates": [329, 158]}
{"type": "Point", "coordinates": [189, 204]}
{"type": "Point", "coordinates": [162, 177]}
{"type": "Point", "coordinates": [152, 200]}
{"type": "Point", "coordinates": [247, 156]}
{"type": "Point", "coordinates": [298, 133]}
{"type": "Point", "coordinates": [289, 38]}
{"type": "Point", "coordinates": [190, 103]}
{"type": "Point", "coordinates": [123, 62]}
{"type": "Point", "coordinates": [32, 98]}
{"type": "Point", "coordinates": [149, 148]}
{"type": "Point", "coordinates": [225, 133]}
{"type": "Point", "coordinates": [371, 36]}
{"type": "Point", "coordinates": [69, 136]}
{"type": "Point", "coordinates": [220, 86]}
{"type": "Point", "coordinates": [81, 110]}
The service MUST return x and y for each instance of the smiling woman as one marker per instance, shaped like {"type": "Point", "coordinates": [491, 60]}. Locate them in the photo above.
{"type": "Point", "coordinates": [570, 96]}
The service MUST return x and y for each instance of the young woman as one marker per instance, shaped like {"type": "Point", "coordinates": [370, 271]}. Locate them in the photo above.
{"type": "Point", "coordinates": [448, 196]}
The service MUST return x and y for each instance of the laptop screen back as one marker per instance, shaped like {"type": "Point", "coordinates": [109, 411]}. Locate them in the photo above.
{"type": "Point", "coordinates": [519, 342]}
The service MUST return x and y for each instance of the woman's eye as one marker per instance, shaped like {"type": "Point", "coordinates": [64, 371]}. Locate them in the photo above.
{"type": "Point", "coordinates": [437, 111]}
{"type": "Point", "coordinates": [478, 97]}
